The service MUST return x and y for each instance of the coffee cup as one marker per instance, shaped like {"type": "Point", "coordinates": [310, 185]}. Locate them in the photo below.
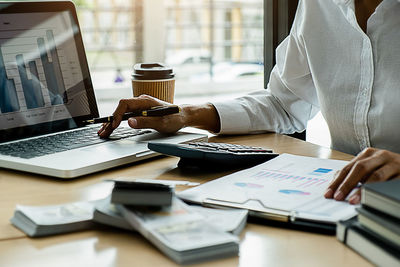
{"type": "Point", "coordinates": [153, 79]}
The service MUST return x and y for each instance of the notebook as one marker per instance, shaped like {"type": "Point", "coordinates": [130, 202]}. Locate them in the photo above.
{"type": "Point", "coordinates": [382, 196]}
{"type": "Point", "coordinates": [46, 95]}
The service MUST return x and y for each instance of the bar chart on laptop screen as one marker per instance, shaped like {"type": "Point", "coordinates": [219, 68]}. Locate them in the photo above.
{"type": "Point", "coordinates": [40, 73]}
{"type": "Point", "coordinates": [35, 67]}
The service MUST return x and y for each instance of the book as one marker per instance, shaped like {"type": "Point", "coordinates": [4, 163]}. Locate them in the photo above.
{"type": "Point", "coordinates": [142, 193]}
{"type": "Point", "coordinates": [367, 244]}
{"type": "Point", "coordinates": [55, 219]}
{"type": "Point", "coordinates": [180, 233]}
{"type": "Point", "coordinates": [383, 196]}
{"type": "Point", "coordinates": [342, 226]}
{"type": "Point", "coordinates": [287, 188]}
{"type": "Point", "coordinates": [383, 225]}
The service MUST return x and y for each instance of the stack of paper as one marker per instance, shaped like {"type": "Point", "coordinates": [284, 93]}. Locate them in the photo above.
{"type": "Point", "coordinates": [106, 213]}
{"type": "Point", "coordinates": [180, 233]}
{"type": "Point", "coordinates": [228, 220]}
{"type": "Point", "coordinates": [50, 220]}
{"type": "Point", "coordinates": [184, 233]}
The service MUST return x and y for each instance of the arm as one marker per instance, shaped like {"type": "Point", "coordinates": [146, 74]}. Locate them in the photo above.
{"type": "Point", "coordinates": [290, 99]}
{"type": "Point", "coordinates": [371, 165]}
{"type": "Point", "coordinates": [202, 116]}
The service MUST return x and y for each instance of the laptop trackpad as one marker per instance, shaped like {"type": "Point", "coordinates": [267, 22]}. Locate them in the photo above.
{"type": "Point", "coordinates": [117, 148]}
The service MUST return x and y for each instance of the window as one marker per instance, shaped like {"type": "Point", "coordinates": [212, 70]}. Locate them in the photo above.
{"type": "Point", "coordinates": [214, 46]}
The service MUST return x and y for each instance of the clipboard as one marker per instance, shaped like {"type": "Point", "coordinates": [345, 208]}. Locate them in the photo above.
{"type": "Point", "coordinates": [288, 189]}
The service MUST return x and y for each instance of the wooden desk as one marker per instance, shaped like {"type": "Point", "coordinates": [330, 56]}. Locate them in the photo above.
{"type": "Point", "coordinates": [260, 245]}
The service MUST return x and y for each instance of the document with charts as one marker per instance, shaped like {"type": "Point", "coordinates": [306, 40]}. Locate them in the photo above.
{"type": "Point", "coordinates": [286, 188]}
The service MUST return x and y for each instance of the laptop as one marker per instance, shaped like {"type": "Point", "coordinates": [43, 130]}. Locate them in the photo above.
{"type": "Point", "coordinates": [46, 97]}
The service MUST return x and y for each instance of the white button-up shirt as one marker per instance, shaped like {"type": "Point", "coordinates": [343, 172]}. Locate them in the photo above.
{"type": "Point", "coordinates": [328, 63]}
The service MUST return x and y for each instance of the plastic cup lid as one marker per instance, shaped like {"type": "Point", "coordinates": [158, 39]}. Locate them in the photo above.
{"type": "Point", "coordinates": [152, 71]}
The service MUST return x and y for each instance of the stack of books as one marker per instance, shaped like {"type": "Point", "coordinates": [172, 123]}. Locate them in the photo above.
{"type": "Point", "coordinates": [375, 232]}
{"type": "Point", "coordinates": [186, 234]}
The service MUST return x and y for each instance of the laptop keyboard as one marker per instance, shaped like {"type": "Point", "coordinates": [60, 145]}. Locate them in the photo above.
{"type": "Point", "coordinates": [64, 141]}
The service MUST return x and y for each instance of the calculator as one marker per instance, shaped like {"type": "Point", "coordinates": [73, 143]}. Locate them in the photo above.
{"type": "Point", "coordinates": [214, 154]}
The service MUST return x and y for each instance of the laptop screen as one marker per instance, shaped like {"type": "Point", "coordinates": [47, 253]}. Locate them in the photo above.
{"type": "Point", "coordinates": [45, 84]}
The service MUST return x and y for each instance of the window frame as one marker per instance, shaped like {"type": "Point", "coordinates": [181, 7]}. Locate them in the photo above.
{"type": "Point", "coordinates": [278, 19]}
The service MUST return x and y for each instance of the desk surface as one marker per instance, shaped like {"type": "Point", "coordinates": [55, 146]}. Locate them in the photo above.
{"type": "Point", "coordinates": [260, 245]}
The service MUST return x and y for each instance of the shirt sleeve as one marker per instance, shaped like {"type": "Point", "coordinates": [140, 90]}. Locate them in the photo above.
{"type": "Point", "coordinates": [286, 105]}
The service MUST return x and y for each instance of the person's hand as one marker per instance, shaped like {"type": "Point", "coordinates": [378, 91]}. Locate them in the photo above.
{"type": "Point", "coordinates": [165, 124]}
{"type": "Point", "coordinates": [371, 165]}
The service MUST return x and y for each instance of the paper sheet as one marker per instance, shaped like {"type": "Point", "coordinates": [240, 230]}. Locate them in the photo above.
{"type": "Point", "coordinates": [288, 183]}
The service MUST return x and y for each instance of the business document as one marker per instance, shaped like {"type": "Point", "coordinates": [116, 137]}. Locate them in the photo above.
{"type": "Point", "coordinates": [288, 187]}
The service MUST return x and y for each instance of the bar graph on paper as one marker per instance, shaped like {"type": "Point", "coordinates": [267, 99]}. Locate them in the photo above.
{"type": "Point", "coordinates": [31, 72]}
{"type": "Point", "coordinates": [288, 183]}
{"type": "Point", "coordinates": [297, 181]}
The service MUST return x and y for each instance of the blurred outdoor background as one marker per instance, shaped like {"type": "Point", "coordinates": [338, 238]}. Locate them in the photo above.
{"type": "Point", "coordinates": [214, 46]}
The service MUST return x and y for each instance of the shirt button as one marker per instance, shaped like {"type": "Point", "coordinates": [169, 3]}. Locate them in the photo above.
{"type": "Point", "coordinates": [363, 146]}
